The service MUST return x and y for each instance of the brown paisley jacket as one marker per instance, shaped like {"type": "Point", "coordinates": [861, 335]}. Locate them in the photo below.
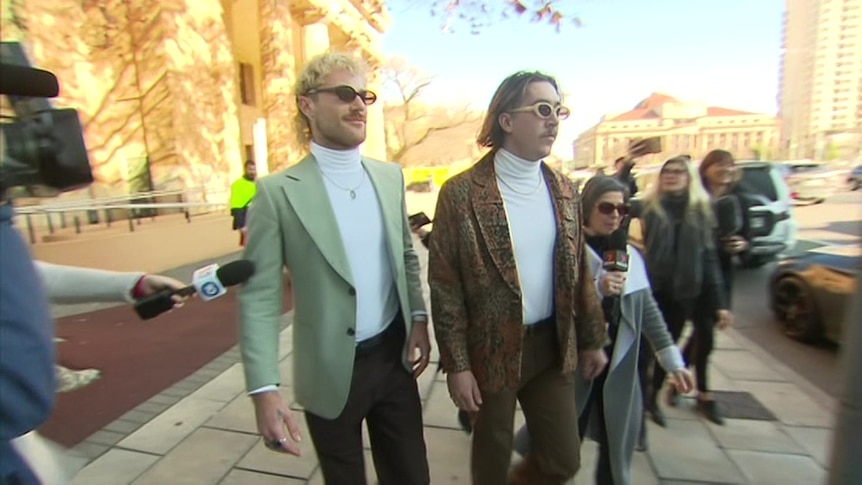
{"type": "Point", "coordinates": [475, 290]}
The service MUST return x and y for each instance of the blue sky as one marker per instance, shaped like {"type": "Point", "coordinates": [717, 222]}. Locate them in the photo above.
{"type": "Point", "coordinates": [720, 52]}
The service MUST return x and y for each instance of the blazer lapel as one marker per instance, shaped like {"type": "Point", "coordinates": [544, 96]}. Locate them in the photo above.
{"type": "Point", "coordinates": [493, 223]}
{"type": "Point", "coordinates": [388, 190]}
{"type": "Point", "coordinates": [307, 194]}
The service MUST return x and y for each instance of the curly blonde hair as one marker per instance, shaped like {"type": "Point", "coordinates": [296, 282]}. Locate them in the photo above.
{"type": "Point", "coordinates": [313, 73]}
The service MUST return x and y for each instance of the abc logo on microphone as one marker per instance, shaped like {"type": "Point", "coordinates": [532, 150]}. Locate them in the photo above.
{"type": "Point", "coordinates": [209, 289]}
{"type": "Point", "coordinates": [207, 283]}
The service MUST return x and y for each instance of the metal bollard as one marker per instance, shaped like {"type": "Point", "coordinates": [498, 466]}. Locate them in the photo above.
{"type": "Point", "coordinates": [63, 224]}
{"type": "Point", "coordinates": [188, 215]}
{"type": "Point", "coordinates": [50, 223]}
{"type": "Point", "coordinates": [77, 225]}
{"type": "Point", "coordinates": [30, 230]}
{"type": "Point", "coordinates": [131, 223]}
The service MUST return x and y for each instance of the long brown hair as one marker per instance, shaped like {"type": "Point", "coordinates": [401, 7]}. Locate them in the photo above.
{"type": "Point", "coordinates": [508, 96]}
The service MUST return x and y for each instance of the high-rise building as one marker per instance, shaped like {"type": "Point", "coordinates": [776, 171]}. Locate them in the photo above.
{"type": "Point", "coordinates": [820, 100]}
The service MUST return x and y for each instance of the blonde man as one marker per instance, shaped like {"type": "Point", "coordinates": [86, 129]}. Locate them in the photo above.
{"type": "Point", "coordinates": [338, 222]}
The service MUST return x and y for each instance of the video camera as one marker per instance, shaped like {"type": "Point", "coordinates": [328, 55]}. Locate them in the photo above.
{"type": "Point", "coordinates": [43, 148]}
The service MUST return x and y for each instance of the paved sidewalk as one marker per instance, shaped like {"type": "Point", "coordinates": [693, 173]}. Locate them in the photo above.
{"type": "Point", "coordinates": [202, 431]}
{"type": "Point", "coordinates": [209, 436]}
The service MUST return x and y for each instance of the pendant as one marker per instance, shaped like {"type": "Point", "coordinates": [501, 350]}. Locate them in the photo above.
{"type": "Point", "coordinates": [352, 194]}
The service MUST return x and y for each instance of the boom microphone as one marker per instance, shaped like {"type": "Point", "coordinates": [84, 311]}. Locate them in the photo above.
{"type": "Point", "coordinates": [27, 82]}
{"type": "Point", "coordinates": [210, 282]}
{"type": "Point", "coordinates": [616, 257]}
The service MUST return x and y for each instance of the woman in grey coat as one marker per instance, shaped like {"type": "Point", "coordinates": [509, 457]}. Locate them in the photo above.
{"type": "Point", "coordinates": [611, 405]}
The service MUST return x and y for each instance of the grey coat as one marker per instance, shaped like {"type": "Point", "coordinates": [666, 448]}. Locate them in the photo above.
{"type": "Point", "coordinates": [622, 395]}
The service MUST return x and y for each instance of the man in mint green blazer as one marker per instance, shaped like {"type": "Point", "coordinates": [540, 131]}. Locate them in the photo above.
{"type": "Point", "coordinates": [338, 222]}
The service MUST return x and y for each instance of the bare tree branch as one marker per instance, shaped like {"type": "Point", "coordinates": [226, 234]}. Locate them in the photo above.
{"type": "Point", "coordinates": [410, 122]}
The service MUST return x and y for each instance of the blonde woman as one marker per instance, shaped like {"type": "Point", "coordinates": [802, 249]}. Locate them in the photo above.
{"type": "Point", "coordinates": [682, 261]}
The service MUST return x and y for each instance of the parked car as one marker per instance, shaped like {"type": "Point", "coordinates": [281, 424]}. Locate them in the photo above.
{"type": "Point", "coordinates": [770, 226]}
{"type": "Point", "coordinates": [854, 179]}
{"type": "Point", "coordinates": [811, 182]}
{"type": "Point", "coordinates": [810, 294]}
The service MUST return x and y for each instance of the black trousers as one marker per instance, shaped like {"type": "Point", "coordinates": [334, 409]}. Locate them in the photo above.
{"type": "Point", "coordinates": [700, 345]}
{"type": "Point", "coordinates": [384, 395]}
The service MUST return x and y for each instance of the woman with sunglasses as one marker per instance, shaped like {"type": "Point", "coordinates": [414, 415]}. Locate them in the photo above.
{"type": "Point", "coordinates": [610, 407]}
{"type": "Point", "coordinates": [677, 224]}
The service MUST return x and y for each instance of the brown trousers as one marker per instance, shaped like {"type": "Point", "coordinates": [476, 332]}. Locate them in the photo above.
{"type": "Point", "coordinates": [547, 398]}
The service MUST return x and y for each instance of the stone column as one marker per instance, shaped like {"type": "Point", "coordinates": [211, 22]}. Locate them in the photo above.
{"type": "Point", "coordinates": [316, 37]}
{"type": "Point", "coordinates": [375, 139]}
{"type": "Point", "coordinates": [278, 66]}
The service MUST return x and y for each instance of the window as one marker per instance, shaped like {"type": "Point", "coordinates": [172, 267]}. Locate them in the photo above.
{"type": "Point", "coordinates": [246, 84]}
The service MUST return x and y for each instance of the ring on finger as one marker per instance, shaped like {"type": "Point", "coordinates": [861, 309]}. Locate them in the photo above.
{"type": "Point", "coordinates": [276, 444]}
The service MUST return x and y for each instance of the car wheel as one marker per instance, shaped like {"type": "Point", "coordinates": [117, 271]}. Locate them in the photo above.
{"type": "Point", "coordinates": [794, 306]}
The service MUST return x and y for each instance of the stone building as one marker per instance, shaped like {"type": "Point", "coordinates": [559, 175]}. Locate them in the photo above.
{"type": "Point", "coordinates": [690, 128]}
{"type": "Point", "coordinates": [194, 87]}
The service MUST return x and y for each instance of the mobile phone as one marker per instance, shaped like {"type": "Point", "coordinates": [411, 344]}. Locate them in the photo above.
{"type": "Point", "coordinates": [419, 219]}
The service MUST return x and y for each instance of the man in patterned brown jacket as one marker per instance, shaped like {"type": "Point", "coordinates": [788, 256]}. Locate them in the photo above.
{"type": "Point", "coordinates": [515, 308]}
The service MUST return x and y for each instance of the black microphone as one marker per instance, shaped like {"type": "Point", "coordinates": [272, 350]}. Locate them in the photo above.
{"type": "Point", "coordinates": [27, 82]}
{"type": "Point", "coordinates": [729, 216]}
{"type": "Point", "coordinates": [231, 274]}
{"type": "Point", "coordinates": [616, 256]}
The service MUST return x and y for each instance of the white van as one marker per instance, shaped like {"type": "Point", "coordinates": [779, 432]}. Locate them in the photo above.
{"type": "Point", "coordinates": [771, 227]}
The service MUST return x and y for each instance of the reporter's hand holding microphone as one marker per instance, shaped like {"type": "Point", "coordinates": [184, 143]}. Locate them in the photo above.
{"type": "Point", "coordinates": [157, 294]}
{"type": "Point", "coordinates": [612, 283]}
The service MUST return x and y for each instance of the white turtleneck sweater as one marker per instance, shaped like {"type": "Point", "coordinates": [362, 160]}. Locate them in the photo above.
{"type": "Point", "coordinates": [533, 228]}
{"type": "Point", "coordinates": [360, 223]}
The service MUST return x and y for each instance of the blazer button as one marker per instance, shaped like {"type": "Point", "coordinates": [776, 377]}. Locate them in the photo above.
{"type": "Point", "coordinates": [351, 332]}
{"type": "Point", "coordinates": [351, 292]}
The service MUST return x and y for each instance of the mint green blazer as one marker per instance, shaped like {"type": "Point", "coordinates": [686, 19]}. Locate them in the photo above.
{"type": "Point", "coordinates": [292, 225]}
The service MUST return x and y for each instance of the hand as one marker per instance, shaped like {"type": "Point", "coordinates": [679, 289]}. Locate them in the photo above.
{"type": "Point", "coordinates": [419, 341]}
{"type": "Point", "coordinates": [273, 416]}
{"type": "Point", "coordinates": [735, 244]}
{"type": "Point", "coordinates": [725, 319]}
{"type": "Point", "coordinates": [592, 363]}
{"type": "Point", "coordinates": [416, 229]}
{"type": "Point", "coordinates": [612, 283]}
{"type": "Point", "coordinates": [682, 380]}
{"type": "Point", "coordinates": [464, 390]}
{"type": "Point", "coordinates": [153, 283]}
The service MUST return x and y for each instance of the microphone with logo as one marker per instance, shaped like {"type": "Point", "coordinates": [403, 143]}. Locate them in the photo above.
{"type": "Point", "coordinates": [209, 282]}
{"type": "Point", "coordinates": [616, 256]}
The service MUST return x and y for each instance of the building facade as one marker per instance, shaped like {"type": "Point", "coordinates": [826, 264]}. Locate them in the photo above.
{"type": "Point", "coordinates": [187, 89]}
{"type": "Point", "coordinates": [821, 79]}
{"type": "Point", "coordinates": [690, 128]}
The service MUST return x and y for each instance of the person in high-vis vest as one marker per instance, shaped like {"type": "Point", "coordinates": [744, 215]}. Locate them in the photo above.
{"type": "Point", "coordinates": [241, 194]}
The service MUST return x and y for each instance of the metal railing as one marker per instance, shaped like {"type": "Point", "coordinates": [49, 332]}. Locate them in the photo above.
{"type": "Point", "coordinates": [114, 209]}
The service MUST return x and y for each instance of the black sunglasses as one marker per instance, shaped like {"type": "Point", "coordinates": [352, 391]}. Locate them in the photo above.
{"type": "Point", "coordinates": [347, 94]}
{"type": "Point", "coordinates": [607, 208]}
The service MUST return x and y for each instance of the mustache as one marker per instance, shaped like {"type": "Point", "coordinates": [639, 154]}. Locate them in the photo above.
{"type": "Point", "coordinates": [550, 133]}
{"type": "Point", "coordinates": [356, 117]}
